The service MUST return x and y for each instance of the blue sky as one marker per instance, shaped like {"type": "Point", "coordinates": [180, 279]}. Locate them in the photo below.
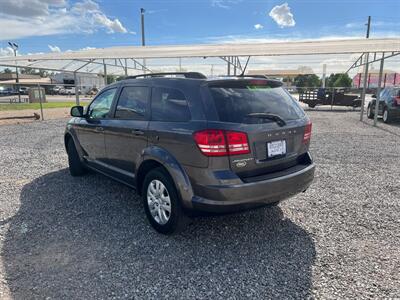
{"type": "Point", "coordinates": [71, 25]}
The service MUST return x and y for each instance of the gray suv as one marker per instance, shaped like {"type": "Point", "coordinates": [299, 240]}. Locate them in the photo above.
{"type": "Point", "coordinates": [190, 144]}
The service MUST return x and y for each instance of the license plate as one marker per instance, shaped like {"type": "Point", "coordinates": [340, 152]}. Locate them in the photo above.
{"type": "Point", "coordinates": [276, 148]}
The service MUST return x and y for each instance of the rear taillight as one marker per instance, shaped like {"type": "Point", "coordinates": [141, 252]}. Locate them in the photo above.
{"type": "Point", "coordinates": [307, 133]}
{"type": "Point", "coordinates": [396, 101]}
{"type": "Point", "coordinates": [216, 142]}
{"type": "Point", "coordinates": [237, 142]}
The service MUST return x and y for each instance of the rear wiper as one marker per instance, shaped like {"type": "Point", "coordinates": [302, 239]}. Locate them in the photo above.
{"type": "Point", "coordinates": [262, 115]}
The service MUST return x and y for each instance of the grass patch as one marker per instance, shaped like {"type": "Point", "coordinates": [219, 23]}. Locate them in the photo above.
{"type": "Point", "coordinates": [22, 106]}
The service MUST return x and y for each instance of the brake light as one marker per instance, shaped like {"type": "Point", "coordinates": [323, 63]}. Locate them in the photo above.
{"type": "Point", "coordinates": [307, 133]}
{"type": "Point", "coordinates": [216, 142]}
{"type": "Point", "coordinates": [237, 142]}
{"type": "Point", "coordinates": [396, 101]}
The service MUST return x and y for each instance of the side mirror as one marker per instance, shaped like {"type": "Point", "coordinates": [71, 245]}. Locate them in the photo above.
{"type": "Point", "coordinates": [373, 96]}
{"type": "Point", "coordinates": [77, 111]}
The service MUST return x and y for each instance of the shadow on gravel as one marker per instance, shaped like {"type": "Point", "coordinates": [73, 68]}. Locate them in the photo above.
{"type": "Point", "coordinates": [389, 128]}
{"type": "Point", "coordinates": [88, 238]}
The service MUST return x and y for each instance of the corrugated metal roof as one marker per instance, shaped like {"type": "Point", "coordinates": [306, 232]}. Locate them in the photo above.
{"type": "Point", "coordinates": [254, 49]}
{"type": "Point", "coordinates": [78, 60]}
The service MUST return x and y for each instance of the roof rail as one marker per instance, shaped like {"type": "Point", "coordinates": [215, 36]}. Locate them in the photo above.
{"type": "Point", "coordinates": [193, 75]}
{"type": "Point", "coordinates": [245, 75]}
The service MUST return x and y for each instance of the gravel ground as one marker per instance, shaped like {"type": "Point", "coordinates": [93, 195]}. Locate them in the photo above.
{"type": "Point", "coordinates": [87, 238]}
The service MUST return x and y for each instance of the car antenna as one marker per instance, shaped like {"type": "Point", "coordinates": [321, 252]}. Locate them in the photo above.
{"type": "Point", "coordinates": [245, 67]}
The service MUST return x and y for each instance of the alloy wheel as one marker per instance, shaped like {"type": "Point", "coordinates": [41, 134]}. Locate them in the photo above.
{"type": "Point", "coordinates": [159, 202]}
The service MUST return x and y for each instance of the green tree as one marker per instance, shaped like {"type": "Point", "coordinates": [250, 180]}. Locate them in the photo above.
{"type": "Point", "coordinates": [7, 71]}
{"type": "Point", "coordinates": [339, 80]}
{"type": "Point", "coordinates": [111, 79]}
{"type": "Point", "coordinates": [310, 80]}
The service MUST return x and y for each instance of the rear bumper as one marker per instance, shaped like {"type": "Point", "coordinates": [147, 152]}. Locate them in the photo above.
{"type": "Point", "coordinates": [226, 198]}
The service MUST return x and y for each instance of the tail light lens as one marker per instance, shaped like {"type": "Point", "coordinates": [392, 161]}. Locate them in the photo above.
{"type": "Point", "coordinates": [215, 142]}
{"type": "Point", "coordinates": [307, 133]}
{"type": "Point", "coordinates": [396, 101]}
{"type": "Point", "coordinates": [237, 142]}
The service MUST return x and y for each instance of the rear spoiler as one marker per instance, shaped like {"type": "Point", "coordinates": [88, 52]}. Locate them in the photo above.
{"type": "Point", "coordinates": [244, 82]}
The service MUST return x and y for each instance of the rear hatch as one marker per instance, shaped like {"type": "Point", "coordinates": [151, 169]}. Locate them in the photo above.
{"type": "Point", "coordinates": [273, 121]}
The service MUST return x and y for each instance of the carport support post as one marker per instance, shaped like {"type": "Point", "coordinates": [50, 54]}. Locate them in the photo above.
{"type": "Point", "coordinates": [40, 101]}
{"type": "Point", "coordinates": [76, 89]}
{"type": "Point", "coordinates": [378, 92]}
{"type": "Point", "coordinates": [364, 90]}
{"type": "Point", "coordinates": [105, 73]}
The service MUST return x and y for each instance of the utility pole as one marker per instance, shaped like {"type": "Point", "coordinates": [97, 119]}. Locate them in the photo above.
{"type": "Point", "coordinates": [142, 11]}
{"type": "Point", "coordinates": [14, 47]}
{"type": "Point", "coordinates": [142, 21]}
{"type": "Point", "coordinates": [368, 26]}
{"type": "Point", "coordinates": [366, 61]}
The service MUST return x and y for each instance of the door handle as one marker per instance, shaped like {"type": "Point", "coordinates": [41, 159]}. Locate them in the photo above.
{"type": "Point", "coordinates": [99, 128]}
{"type": "Point", "coordinates": [137, 132]}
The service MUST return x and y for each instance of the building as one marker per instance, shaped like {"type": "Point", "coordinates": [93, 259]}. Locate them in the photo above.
{"type": "Point", "coordinates": [285, 75]}
{"type": "Point", "coordinates": [85, 82]}
{"type": "Point", "coordinates": [24, 79]}
{"type": "Point", "coordinates": [389, 78]}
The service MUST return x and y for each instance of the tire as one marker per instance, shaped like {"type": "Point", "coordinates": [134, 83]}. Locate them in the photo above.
{"type": "Point", "coordinates": [161, 202]}
{"type": "Point", "coordinates": [370, 114]}
{"type": "Point", "coordinates": [76, 167]}
{"type": "Point", "coordinates": [312, 105]}
{"type": "Point", "coordinates": [386, 116]}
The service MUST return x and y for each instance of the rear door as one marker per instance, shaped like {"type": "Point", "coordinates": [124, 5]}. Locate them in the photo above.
{"type": "Point", "coordinates": [173, 121]}
{"type": "Point", "coordinates": [271, 118]}
{"type": "Point", "coordinates": [126, 132]}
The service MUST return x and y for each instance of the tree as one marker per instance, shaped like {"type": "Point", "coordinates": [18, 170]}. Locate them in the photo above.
{"type": "Point", "coordinates": [7, 71]}
{"type": "Point", "coordinates": [310, 80]}
{"type": "Point", "coordinates": [111, 79]}
{"type": "Point", "coordinates": [339, 80]}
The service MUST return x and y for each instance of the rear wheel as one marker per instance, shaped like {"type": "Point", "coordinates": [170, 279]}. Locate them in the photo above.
{"type": "Point", "coordinates": [370, 114]}
{"type": "Point", "coordinates": [312, 104]}
{"type": "Point", "coordinates": [76, 167]}
{"type": "Point", "coordinates": [386, 117]}
{"type": "Point", "coordinates": [161, 202]}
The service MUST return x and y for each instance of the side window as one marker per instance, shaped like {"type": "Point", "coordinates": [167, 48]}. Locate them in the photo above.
{"type": "Point", "coordinates": [384, 94]}
{"type": "Point", "coordinates": [100, 107]}
{"type": "Point", "coordinates": [132, 103]}
{"type": "Point", "coordinates": [169, 105]}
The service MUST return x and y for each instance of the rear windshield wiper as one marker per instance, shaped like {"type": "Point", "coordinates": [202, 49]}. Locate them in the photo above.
{"type": "Point", "coordinates": [262, 115]}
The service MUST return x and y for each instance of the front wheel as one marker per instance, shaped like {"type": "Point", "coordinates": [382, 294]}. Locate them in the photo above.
{"type": "Point", "coordinates": [76, 167]}
{"type": "Point", "coordinates": [386, 117]}
{"type": "Point", "coordinates": [161, 202]}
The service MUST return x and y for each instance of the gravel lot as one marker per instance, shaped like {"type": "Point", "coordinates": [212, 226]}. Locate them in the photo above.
{"type": "Point", "coordinates": [81, 238]}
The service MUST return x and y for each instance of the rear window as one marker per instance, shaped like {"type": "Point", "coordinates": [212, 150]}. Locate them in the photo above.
{"type": "Point", "coordinates": [235, 101]}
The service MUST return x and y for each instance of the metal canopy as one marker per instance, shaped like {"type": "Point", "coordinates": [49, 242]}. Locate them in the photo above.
{"type": "Point", "coordinates": [119, 60]}
{"type": "Point", "coordinates": [223, 50]}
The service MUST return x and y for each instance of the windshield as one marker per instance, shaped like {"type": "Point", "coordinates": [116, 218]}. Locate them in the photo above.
{"type": "Point", "coordinates": [238, 103]}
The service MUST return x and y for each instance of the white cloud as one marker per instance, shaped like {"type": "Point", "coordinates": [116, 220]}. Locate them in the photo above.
{"type": "Point", "coordinates": [111, 25]}
{"type": "Point", "coordinates": [6, 51]}
{"type": "Point", "coordinates": [29, 8]}
{"type": "Point", "coordinates": [224, 3]}
{"type": "Point", "coordinates": [282, 16]}
{"type": "Point", "coordinates": [54, 48]}
{"type": "Point", "coordinates": [87, 48]}
{"type": "Point", "coordinates": [24, 18]}
{"type": "Point", "coordinates": [86, 6]}
{"type": "Point", "coordinates": [258, 26]}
